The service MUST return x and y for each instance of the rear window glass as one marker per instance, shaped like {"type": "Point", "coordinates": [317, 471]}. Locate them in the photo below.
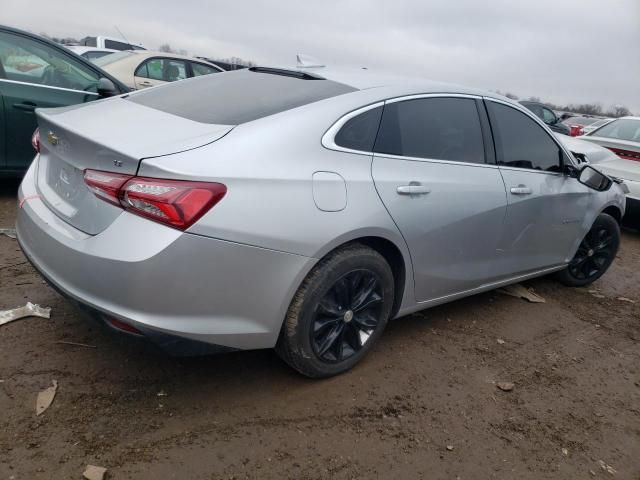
{"type": "Point", "coordinates": [237, 97]}
{"type": "Point", "coordinates": [359, 132]}
{"type": "Point", "coordinates": [114, 57]}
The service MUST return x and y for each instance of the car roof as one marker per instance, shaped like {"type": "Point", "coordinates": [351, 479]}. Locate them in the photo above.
{"type": "Point", "coordinates": [392, 84]}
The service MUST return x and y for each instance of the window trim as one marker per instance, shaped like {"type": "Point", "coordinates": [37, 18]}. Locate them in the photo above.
{"type": "Point", "coordinates": [328, 139]}
{"type": "Point", "coordinates": [49, 86]}
{"type": "Point", "coordinates": [544, 126]}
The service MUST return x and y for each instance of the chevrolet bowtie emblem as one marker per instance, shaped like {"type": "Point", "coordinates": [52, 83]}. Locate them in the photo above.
{"type": "Point", "coordinates": [52, 138]}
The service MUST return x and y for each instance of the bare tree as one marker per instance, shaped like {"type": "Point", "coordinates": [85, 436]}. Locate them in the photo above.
{"type": "Point", "coordinates": [618, 111]}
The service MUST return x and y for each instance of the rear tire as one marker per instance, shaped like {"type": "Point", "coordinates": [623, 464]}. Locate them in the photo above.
{"type": "Point", "coordinates": [338, 313]}
{"type": "Point", "coordinates": [595, 254]}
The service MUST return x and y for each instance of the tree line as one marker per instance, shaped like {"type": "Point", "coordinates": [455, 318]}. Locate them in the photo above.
{"type": "Point", "coordinates": [595, 109]}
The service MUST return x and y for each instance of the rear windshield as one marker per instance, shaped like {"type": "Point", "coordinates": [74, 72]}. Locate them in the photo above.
{"type": "Point", "coordinates": [232, 98]}
{"type": "Point", "coordinates": [104, 61]}
{"type": "Point", "coordinates": [621, 129]}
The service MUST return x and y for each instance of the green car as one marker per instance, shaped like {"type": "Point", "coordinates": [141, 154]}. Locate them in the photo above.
{"type": "Point", "coordinates": [38, 73]}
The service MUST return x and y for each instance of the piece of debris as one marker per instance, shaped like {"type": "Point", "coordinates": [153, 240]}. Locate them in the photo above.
{"type": "Point", "coordinates": [565, 452]}
{"type": "Point", "coordinates": [596, 294]}
{"type": "Point", "coordinates": [9, 232]}
{"type": "Point", "coordinates": [76, 344]}
{"type": "Point", "coordinates": [505, 386]}
{"type": "Point", "coordinates": [45, 398]}
{"type": "Point", "coordinates": [450, 448]}
{"type": "Point", "coordinates": [520, 291]}
{"type": "Point", "coordinates": [592, 473]}
{"type": "Point", "coordinates": [161, 393]}
{"type": "Point", "coordinates": [607, 468]}
{"type": "Point", "coordinates": [29, 310]}
{"type": "Point", "coordinates": [94, 473]}
{"type": "Point", "coordinates": [625, 299]}
{"type": "Point", "coordinates": [500, 341]}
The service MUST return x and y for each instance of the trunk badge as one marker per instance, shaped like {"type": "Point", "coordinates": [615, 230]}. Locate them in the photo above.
{"type": "Point", "coordinates": [52, 138]}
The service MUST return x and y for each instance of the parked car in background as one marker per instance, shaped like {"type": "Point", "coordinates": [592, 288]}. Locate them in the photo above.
{"type": "Point", "coordinates": [621, 135]}
{"type": "Point", "coordinates": [90, 53]}
{"type": "Point", "coordinates": [36, 73]}
{"type": "Point", "coordinates": [224, 65]}
{"type": "Point", "coordinates": [110, 43]}
{"type": "Point", "coordinates": [302, 209]}
{"type": "Point", "coordinates": [142, 69]}
{"type": "Point", "coordinates": [578, 123]}
{"type": "Point", "coordinates": [597, 124]}
{"type": "Point", "coordinates": [611, 164]}
{"type": "Point", "coordinates": [547, 116]}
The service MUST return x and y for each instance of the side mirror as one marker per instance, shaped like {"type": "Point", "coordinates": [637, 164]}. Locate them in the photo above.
{"type": "Point", "coordinates": [106, 88]}
{"type": "Point", "coordinates": [592, 178]}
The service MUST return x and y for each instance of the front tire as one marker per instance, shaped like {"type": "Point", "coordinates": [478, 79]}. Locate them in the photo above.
{"type": "Point", "coordinates": [338, 313]}
{"type": "Point", "coordinates": [595, 254]}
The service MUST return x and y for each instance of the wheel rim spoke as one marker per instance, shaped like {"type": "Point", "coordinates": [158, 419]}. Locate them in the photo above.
{"type": "Point", "coordinates": [593, 254]}
{"type": "Point", "coordinates": [347, 316]}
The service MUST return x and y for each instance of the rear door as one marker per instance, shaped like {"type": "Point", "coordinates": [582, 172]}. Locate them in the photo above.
{"type": "Point", "coordinates": [157, 71]}
{"type": "Point", "coordinates": [36, 75]}
{"type": "Point", "coordinates": [546, 208]}
{"type": "Point", "coordinates": [430, 171]}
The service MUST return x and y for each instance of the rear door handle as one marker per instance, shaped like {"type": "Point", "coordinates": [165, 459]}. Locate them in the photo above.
{"type": "Point", "coordinates": [521, 190]}
{"type": "Point", "coordinates": [412, 189]}
{"type": "Point", "coordinates": [25, 106]}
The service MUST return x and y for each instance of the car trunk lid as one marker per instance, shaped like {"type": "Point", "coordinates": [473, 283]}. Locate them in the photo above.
{"type": "Point", "coordinates": [113, 135]}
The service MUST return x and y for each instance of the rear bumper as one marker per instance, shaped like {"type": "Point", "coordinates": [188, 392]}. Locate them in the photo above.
{"type": "Point", "coordinates": [168, 284]}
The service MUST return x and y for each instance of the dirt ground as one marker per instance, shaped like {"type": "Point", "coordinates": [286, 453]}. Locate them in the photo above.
{"type": "Point", "coordinates": [424, 404]}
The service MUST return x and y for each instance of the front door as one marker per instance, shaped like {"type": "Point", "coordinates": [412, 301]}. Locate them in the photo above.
{"type": "Point", "coordinates": [36, 75]}
{"type": "Point", "coordinates": [546, 208]}
{"type": "Point", "coordinates": [429, 169]}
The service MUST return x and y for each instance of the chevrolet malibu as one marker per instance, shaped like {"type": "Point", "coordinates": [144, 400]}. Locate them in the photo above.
{"type": "Point", "coordinates": [303, 208]}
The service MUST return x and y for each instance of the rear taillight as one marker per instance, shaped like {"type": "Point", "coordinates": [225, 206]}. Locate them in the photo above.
{"type": "Point", "coordinates": [177, 203]}
{"type": "Point", "coordinates": [576, 130]}
{"type": "Point", "coordinates": [35, 140]}
{"type": "Point", "coordinates": [626, 154]}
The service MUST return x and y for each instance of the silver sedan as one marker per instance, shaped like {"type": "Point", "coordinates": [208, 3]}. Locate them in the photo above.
{"type": "Point", "coordinates": [302, 209]}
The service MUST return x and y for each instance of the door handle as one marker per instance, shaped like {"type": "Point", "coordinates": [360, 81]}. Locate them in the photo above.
{"type": "Point", "coordinates": [413, 189]}
{"type": "Point", "coordinates": [521, 190]}
{"type": "Point", "coordinates": [25, 106]}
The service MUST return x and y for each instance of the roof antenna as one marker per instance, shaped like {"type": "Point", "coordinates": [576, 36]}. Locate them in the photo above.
{"type": "Point", "coordinates": [307, 61]}
{"type": "Point", "coordinates": [121, 34]}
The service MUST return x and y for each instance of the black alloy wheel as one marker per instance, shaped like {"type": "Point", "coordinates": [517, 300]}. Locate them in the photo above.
{"type": "Point", "coordinates": [347, 315]}
{"type": "Point", "coordinates": [593, 254]}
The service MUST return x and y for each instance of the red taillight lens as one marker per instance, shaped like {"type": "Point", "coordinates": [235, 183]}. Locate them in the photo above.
{"type": "Point", "coordinates": [173, 202]}
{"type": "Point", "coordinates": [35, 140]}
{"type": "Point", "coordinates": [177, 203]}
{"type": "Point", "coordinates": [105, 185]}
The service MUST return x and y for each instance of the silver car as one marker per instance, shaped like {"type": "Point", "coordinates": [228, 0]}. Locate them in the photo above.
{"type": "Point", "coordinates": [302, 209]}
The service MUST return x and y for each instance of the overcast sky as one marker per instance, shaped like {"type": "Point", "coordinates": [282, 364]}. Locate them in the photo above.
{"type": "Point", "coordinates": [564, 51]}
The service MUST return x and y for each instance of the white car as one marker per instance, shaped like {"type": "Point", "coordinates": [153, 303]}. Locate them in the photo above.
{"type": "Point", "coordinates": [605, 160]}
{"type": "Point", "coordinates": [586, 129]}
{"type": "Point", "coordinates": [142, 68]}
{"type": "Point", "coordinates": [91, 53]}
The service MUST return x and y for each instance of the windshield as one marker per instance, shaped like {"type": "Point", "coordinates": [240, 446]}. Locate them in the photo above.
{"type": "Point", "coordinates": [621, 129]}
{"type": "Point", "coordinates": [112, 58]}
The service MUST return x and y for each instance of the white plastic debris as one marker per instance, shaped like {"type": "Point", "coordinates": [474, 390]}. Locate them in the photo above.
{"type": "Point", "coordinates": [94, 473]}
{"type": "Point", "coordinates": [45, 398]}
{"type": "Point", "coordinates": [625, 299]}
{"type": "Point", "coordinates": [9, 232]}
{"type": "Point", "coordinates": [519, 291]}
{"type": "Point", "coordinates": [29, 310]}
{"type": "Point", "coordinates": [500, 341]}
{"type": "Point", "coordinates": [607, 468]}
